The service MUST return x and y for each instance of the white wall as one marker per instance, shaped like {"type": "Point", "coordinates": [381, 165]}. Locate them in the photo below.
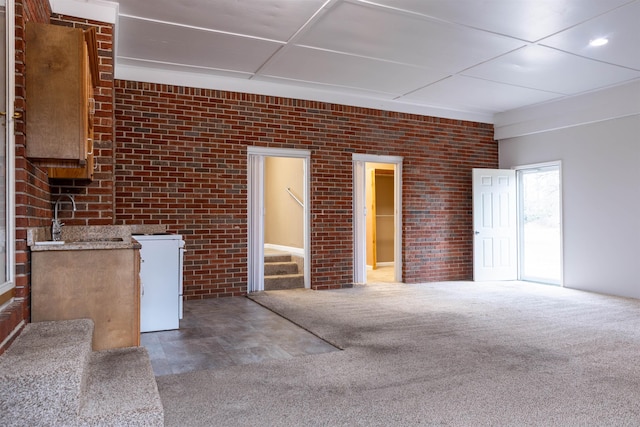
{"type": "Point", "coordinates": [601, 199]}
{"type": "Point", "coordinates": [606, 104]}
{"type": "Point", "coordinates": [284, 217]}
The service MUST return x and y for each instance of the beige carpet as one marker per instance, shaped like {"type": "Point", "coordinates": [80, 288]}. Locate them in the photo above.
{"type": "Point", "coordinates": [455, 354]}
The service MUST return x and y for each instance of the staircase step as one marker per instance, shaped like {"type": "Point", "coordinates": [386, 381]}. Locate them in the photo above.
{"type": "Point", "coordinates": [279, 268]}
{"type": "Point", "coordinates": [49, 376]}
{"type": "Point", "coordinates": [277, 258]}
{"type": "Point", "coordinates": [42, 373]}
{"type": "Point", "coordinates": [121, 390]}
{"type": "Point", "coordinates": [286, 281]}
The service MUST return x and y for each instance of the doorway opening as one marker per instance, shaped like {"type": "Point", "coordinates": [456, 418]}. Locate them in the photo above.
{"type": "Point", "coordinates": [539, 223]}
{"type": "Point", "coordinates": [377, 219]}
{"type": "Point", "coordinates": [517, 217]}
{"type": "Point", "coordinates": [278, 211]}
{"type": "Point", "coordinates": [380, 222]}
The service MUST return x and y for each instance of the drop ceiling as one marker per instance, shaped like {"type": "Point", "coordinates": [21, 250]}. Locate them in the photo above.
{"type": "Point", "coordinates": [466, 59]}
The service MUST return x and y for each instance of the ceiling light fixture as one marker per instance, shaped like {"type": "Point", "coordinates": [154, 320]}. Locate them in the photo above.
{"type": "Point", "coordinates": [601, 41]}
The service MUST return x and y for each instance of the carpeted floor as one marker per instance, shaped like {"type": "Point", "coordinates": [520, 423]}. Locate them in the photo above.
{"type": "Point", "coordinates": [454, 354]}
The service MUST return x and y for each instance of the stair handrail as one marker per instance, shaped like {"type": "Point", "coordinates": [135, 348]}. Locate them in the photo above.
{"type": "Point", "coordinates": [294, 197]}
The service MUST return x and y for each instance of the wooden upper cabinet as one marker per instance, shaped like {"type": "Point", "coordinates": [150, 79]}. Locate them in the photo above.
{"type": "Point", "coordinates": [84, 171]}
{"type": "Point", "coordinates": [59, 98]}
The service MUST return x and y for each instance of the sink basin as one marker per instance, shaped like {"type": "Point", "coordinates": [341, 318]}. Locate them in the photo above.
{"type": "Point", "coordinates": [81, 238]}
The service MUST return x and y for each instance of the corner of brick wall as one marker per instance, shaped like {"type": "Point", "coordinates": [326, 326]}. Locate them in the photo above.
{"type": "Point", "coordinates": [34, 192]}
{"type": "Point", "coordinates": [32, 188]}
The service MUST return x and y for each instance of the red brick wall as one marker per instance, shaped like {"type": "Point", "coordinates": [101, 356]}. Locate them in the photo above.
{"type": "Point", "coordinates": [32, 189]}
{"type": "Point", "coordinates": [34, 10]}
{"type": "Point", "coordinates": [94, 199]}
{"type": "Point", "coordinates": [181, 161]}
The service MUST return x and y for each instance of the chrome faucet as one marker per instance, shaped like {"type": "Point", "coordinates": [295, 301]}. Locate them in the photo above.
{"type": "Point", "coordinates": [56, 228]}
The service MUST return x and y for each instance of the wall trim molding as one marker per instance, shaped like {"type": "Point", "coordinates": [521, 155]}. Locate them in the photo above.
{"type": "Point", "coordinates": [176, 74]}
{"type": "Point", "coordinates": [95, 10]}
{"type": "Point", "coordinates": [290, 249]}
{"type": "Point", "coordinates": [14, 333]}
{"type": "Point", "coordinates": [607, 104]}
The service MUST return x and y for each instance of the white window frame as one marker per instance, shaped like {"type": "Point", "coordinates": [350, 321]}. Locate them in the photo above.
{"type": "Point", "coordinates": [8, 106]}
{"type": "Point", "coordinates": [519, 169]}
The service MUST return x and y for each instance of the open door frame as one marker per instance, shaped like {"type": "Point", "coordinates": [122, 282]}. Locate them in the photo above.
{"type": "Point", "coordinates": [255, 213]}
{"type": "Point", "coordinates": [360, 213]}
{"type": "Point", "coordinates": [557, 164]}
{"type": "Point", "coordinates": [374, 263]}
{"type": "Point", "coordinates": [497, 253]}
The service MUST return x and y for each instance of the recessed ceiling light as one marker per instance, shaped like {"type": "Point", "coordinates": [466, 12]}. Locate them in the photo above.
{"type": "Point", "coordinates": [598, 42]}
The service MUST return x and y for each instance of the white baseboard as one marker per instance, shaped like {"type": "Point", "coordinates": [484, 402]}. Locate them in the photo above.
{"type": "Point", "coordinates": [382, 264]}
{"type": "Point", "coordinates": [290, 249]}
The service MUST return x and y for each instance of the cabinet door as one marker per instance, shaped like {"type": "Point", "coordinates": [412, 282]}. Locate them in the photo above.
{"type": "Point", "coordinates": [160, 276]}
{"type": "Point", "coordinates": [64, 288]}
{"type": "Point", "coordinates": [86, 171]}
{"type": "Point", "coordinates": [56, 99]}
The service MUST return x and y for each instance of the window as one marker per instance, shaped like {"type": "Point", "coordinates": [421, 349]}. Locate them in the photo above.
{"type": "Point", "coordinates": [540, 224]}
{"type": "Point", "coordinates": [7, 168]}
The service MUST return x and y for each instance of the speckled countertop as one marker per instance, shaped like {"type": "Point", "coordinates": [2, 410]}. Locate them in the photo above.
{"type": "Point", "coordinates": [90, 237]}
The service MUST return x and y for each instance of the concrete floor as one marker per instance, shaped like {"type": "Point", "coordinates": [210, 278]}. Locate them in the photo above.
{"type": "Point", "coordinates": [221, 332]}
{"type": "Point", "coordinates": [216, 333]}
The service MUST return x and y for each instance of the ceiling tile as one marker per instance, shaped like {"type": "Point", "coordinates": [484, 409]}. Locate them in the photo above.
{"type": "Point", "coordinates": [528, 20]}
{"type": "Point", "coordinates": [543, 68]}
{"type": "Point", "coordinates": [271, 19]}
{"type": "Point", "coordinates": [180, 68]}
{"type": "Point", "coordinates": [621, 27]}
{"type": "Point", "coordinates": [316, 87]}
{"type": "Point", "coordinates": [471, 56]}
{"type": "Point", "coordinates": [307, 64]}
{"type": "Point", "coordinates": [469, 93]}
{"type": "Point", "coordinates": [154, 41]}
{"type": "Point", "coordinates": [379, 33]}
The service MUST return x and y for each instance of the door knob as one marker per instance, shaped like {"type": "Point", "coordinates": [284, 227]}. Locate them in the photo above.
{"type": "Point", "coordinates": [15, 115]}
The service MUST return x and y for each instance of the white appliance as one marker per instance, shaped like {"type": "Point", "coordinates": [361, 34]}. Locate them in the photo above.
{"type": "Point", "coordinates": [161, 261]}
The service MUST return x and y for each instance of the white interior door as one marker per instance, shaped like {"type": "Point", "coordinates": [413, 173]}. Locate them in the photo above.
{"type": "Point", "coordinates": [495, 249]}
